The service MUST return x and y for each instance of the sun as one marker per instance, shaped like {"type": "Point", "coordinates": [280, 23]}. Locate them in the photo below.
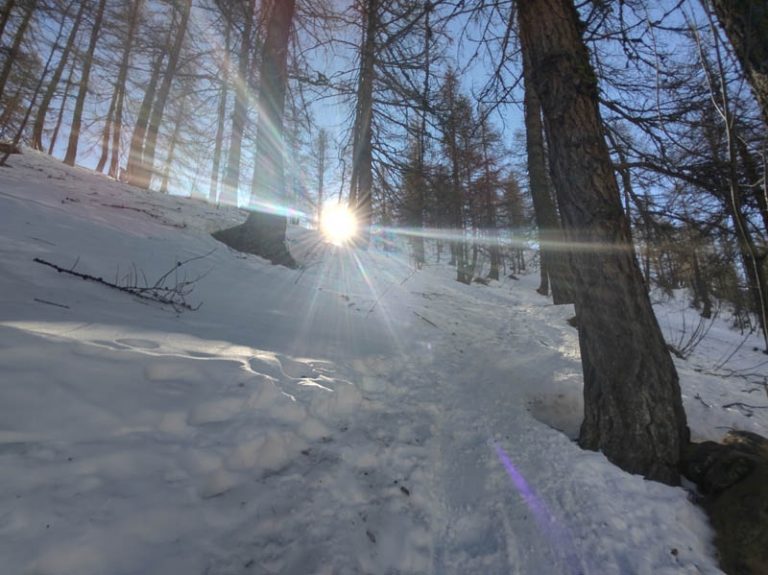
{"type": "Point", "coordinates": [338, 224]}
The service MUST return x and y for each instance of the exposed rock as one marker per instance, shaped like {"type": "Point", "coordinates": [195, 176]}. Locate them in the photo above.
{"type": "Point", "coordinates": [262, 234]}
{"type": "Point", "coordinates": [733, 476]}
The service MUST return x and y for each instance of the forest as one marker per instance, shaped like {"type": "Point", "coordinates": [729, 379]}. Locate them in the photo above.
{"type": "Point", "coordinates": [623, 142]}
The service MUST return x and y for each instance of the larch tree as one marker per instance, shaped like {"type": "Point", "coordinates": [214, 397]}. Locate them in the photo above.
{"type": "Point", "coordinates": [633, 409]}
{"type": "Point", "coordinates": [77, 114]}
{"type": "Point", "coordinates": [263, 233]}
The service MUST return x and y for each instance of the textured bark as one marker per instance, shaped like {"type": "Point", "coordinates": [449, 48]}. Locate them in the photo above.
{"type": "Point", "coordinates": [239, 118]}
{"type": "Point", "coordinates": [633, 408]}
{"type": "Point", "coordinates": [555, 267]}
{"type": "Point", "coordinates": [263, 233]}
{"type": "Point", "coordinates": [45, 103]}
{"type": "Point", "coordinates": [77, 115]}
{"type": "Point", "coordinates": [746, 25]}
{"type": "Point", "coordinates": [362, 153]}
{"type": "Point", "coordinates": [5, 72]}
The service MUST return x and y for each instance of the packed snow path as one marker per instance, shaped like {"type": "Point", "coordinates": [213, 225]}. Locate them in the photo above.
{"type": "Point", "coordinates": [357, 416]}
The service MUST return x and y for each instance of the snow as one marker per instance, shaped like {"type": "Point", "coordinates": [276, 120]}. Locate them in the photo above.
{"type": "Point", "coordinates": [356, 416]}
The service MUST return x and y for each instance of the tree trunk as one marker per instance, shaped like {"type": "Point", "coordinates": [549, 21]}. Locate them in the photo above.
{"type": "Point", "coordinates": [77, 115]}
{"type": "Point", "coordinates": [746, 25]}
{"type": "Point", "coordinates": [5, 72]}
{"type": "Point", "coordinates": [263, 233]}
{"type": "Point", "coordinates": [136, 173]}
{"type": "Point", "coordinates": [5, 15]}
{"type": "Point", "coordinates": [240, 116]}
{"type": "Point", "coordinates": [221, 115]}
{"type": "Point", "coordinates": [62, 108]}
{"type": "Point", "coordinates": [362, 153]}
{"type": "Point", "coordinates": [172, 148]}
{"type": "Point", "coordinates": [116, 120]}
{"type": "Point", "coordinates": [632, 403]}
{"type": "Point", "coordinates": [158, 109]}
{"type": "Point", "coordinates": [554, 260]}
{"type": "Point", "coordinates": [45, 103]}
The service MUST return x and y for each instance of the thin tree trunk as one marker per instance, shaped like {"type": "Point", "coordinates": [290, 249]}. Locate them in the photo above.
{"type": "Point", "coordinates": [36, 92]}
{"type": "Point", "coordinates": [158, 109]}
{"type": "Point", "coordinates": [135, 171]}
{"type": "Point", "coordinates": [5, 72]}
{"type": "Point", "coordinates": [172, 148]}
{"type": "Point", "coordinates": [5, 15]}
{"type": "Point", "coordinates": [50, 92]}
{"type": "Point", "coordinates": [221, 115]}
{"type": "Point", "coordinates": [115, 115]}
{"type": "Point", "coordinates": [62, 108]}
{"type": "Point", "coordinates": [77, 115]}
{"type": "Point", "coordinates": [240, 116]}
{"type": "Point", "coordinates": [633, 409]}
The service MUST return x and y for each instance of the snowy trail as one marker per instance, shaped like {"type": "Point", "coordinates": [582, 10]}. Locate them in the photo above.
{"type": "Point", "coordinates": [355, 417]}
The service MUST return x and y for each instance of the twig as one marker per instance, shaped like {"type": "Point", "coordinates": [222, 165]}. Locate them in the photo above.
{"type": "Point", "coordinates": [53, 303]}
{"type": "Point", "coordinates": [174, 296]}
{"type": "Point", "coordinates": [425, 319]}
{"type": "Point", "coordinates": [740, 404]}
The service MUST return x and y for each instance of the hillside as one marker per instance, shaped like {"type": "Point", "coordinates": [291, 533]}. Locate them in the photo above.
{"type": "Point", "coordinates": [354, 416]}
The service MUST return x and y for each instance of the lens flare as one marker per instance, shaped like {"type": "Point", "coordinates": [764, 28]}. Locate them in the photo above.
{"type": "Point", "coordinates": [338, 224]}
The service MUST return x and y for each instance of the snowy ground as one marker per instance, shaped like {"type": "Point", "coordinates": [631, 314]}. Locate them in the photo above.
{"type": "Point", "coordinates": [354, 417]}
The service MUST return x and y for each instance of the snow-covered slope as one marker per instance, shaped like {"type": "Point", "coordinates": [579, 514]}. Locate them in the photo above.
{"type": "Point", "coordinates": [356, 416]}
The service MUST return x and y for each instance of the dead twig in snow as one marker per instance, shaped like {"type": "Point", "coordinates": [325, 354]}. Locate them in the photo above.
{"type": "Point", "coordinates": [162, 291]}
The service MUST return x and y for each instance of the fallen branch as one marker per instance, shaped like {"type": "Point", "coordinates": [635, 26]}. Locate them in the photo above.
{"type": "Point", "coordinates": [745, 405]}
{"type": "Point", "coordinates": [425, 319]}
{"type": "Point", "coordinates": [53, 303]}
{"type": "Point", "coordinates": [174, 295]}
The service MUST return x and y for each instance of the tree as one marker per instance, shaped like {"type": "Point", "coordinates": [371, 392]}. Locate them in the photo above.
{"type": "Point", "coordinates": [361, 184]}
{"type": "Point", "coordinates": [50, 92]}
{"type": "Point", "coordinates": [554, 258]}
{"type": "Point", "coordinates": [746, 24]}
{"type": "Point", "coordinates": [633, 409]}
{"type": "Point", "coordinates": [77, 115]}
{"type": "Point", "coordinates": [263, 233]}
{"type": "Point", "coordinates": [5, 71]}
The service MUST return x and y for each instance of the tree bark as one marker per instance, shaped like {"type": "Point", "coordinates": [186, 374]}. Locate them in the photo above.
{"type": "Point", "coordinates": [362, 153]}
{"type": "Point", "coordinates": [263, 233]}
{"type": "Point", "coordinates": [633, 408]}
{"type": "Point", "coordinates": [6, 15]}
{"type": "Point", "coordinates": [555, 266]}
{"type": "Point", "coordinates": [746, 24]}
{"type": "Point", "coordinates": [77, 115]}
{"type": "Point", "coordinates": [221, 114]}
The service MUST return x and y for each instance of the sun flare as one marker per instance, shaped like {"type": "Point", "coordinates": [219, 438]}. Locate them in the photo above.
{"type": "Point", "coordinates": [338, 224]}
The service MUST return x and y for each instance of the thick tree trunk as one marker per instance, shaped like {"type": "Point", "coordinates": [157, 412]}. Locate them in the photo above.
{"type": "Point", "coordinates": [10, 60]}
{"type": "Point", "coordinates": [62, 108]}
{"type": "Point", "coordinates": [263, 233]}
{"type": "Point", "coordinates": [77, 115]}
{"type": "Point", "coordinates": [240, 116]}
{"type": "Point", "coordinates": [45, 103]}
{"type": "Point", "coordinates": [746, 25]}
{"type": "Point", "coordinates": [633, 408]}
